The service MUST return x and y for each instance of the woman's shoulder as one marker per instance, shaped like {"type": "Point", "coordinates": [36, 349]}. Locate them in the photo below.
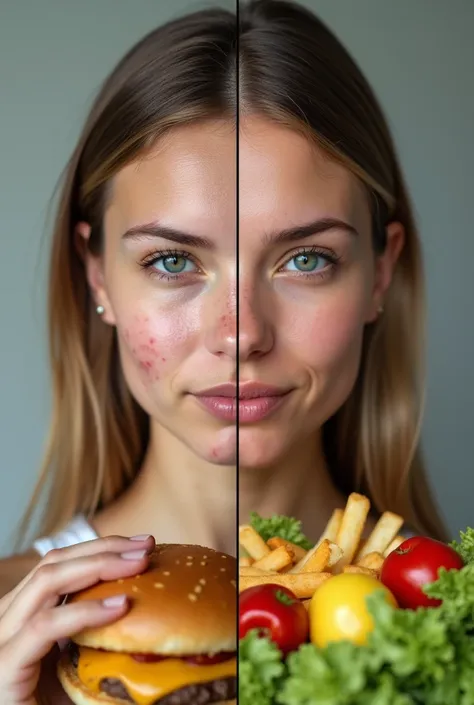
{"type": "Point", "coordinates": [14, 568]}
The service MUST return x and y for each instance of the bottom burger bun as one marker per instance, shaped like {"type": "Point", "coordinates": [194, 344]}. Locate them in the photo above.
{"type": "Point", "coordinates": [177, 642]}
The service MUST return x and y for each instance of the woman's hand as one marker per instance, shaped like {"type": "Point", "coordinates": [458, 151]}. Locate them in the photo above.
{"type": "Point", "coordinates": [32, 618]}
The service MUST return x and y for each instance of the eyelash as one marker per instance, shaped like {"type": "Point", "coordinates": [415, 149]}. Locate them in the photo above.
{"type": "Point", "coordinates": [150, 260]}
{"type": "Point", "coordinates": [329, 256]}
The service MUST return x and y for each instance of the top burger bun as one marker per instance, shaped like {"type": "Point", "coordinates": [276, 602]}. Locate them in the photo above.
{"type": "Point", "coordinates": [184, 604]}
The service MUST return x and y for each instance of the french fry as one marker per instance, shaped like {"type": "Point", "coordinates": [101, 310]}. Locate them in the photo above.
{"type": "Point", "coordinates": [315, 561]}
{"type": "Point", "coordinates": [382, 535]}
{"type": "Point", "coordinates": [276, 542]}
{"type": "Point", "coordinates": [397, 541]}
{"type": "Point", "coordinates": [332, 527]}
{"type": "Point", "coordinates": [351, 528]}
{"type": "Point", "coordinates": [252, 542]}
{"type": "Point", "coordinates": [252, 570]}
{"type": "Point", "coordinates": [373, 561]}
{"type": "Point", "coordinates": [280, 558]}
{"type": "Point", "coordinates": [245, 562]}
{"type": "Point", "coordinates": [303, 585]}
{"type": "Point", "coordinates": [359, 570]}
{"type": "Point", "coordinates": [336, 554]}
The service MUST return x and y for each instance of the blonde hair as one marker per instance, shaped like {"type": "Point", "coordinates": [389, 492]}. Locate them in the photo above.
{"type": "Point", "coordinates": [180, 73]}
{"type": "Point", "coordinates": [295, 71]}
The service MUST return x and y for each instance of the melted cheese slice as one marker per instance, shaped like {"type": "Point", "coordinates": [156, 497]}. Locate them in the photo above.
{"type": "Point", "coordinates": [146, 682]}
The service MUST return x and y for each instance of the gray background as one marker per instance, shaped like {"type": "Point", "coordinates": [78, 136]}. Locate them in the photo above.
{"type": "Point", "coordinates": [419, 56]}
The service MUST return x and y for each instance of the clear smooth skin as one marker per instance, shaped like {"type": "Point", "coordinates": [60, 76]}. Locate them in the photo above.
{"type": "Point", "coordinates": [33, 620]}
{"type": "Point", "coordinates": [309, 284]}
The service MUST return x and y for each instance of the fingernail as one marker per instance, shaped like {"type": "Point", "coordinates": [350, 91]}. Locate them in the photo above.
{"type": "Point", "coordinates": [140, 537]}
{"type": "Point", "coordinates": [115, 601]}
{"type": "Point", "coordinates": [133, 555]}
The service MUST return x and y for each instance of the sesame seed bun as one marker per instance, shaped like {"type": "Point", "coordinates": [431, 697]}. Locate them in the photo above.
{"type": "Point", "coordinates": [185, 603]}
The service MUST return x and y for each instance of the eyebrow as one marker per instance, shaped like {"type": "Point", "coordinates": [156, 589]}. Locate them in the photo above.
{"type": "Point", "coordinates": [166, 233]}
{"type": "Point", "coordinates": [299, 232]}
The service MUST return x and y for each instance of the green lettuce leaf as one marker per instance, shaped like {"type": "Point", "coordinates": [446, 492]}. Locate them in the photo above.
{"type": "Point", "coordinates": [284, 527]}
{"type": "Point", "coordinates": [260, 670]}
{"type": "Point", "coordinates": [465, 547]}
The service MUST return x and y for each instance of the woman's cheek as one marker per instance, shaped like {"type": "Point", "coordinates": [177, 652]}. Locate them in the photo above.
{"type": "Point", "coordinates": [332, 331]}
{"type": "Point", "coordinates": [149, 347]}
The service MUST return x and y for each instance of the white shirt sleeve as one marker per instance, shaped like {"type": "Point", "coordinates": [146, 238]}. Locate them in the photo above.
{"type": "Point", "coordinates": [77, 531]}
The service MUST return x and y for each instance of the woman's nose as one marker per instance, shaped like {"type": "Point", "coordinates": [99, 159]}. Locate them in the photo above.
{"type": "Point", "coordinates": [240, 332]}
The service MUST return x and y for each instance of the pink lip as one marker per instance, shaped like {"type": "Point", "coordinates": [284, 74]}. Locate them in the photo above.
{"type": "Point", "coordinates": [256, 401]}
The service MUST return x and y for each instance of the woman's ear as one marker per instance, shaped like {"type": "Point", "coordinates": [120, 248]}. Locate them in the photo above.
{"type": "Point", "coordinates": [385, 266]}
{"type": "Point", "coordinates": [95, 273]}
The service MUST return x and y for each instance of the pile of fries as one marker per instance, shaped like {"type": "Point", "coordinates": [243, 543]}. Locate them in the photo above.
{"type": "Point", "coordinates": [342, 548]}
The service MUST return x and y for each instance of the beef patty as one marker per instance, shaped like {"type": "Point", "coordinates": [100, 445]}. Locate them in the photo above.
{"type": "Point", "coordinates": [199, 694]}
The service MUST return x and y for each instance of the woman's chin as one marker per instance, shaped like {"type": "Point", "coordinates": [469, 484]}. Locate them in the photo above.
{"type": "Point", "coordinates": [260, 448]}
{"type": "Point", "coordinates": [219, 448]}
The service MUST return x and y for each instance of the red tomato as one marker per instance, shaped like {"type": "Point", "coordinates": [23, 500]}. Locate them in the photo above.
{"type": "Point", "coordinates": [208, 660]}
{"type": "Point", "coordinates": [198, 660]}
{"type": "Point", "coordinates": [275, 612]}
{"type": "Point", "coordinates": [416, 563]}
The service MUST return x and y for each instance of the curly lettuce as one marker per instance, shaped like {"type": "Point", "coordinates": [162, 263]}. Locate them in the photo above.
{"type": "Point", "coordinates": [284, 527]}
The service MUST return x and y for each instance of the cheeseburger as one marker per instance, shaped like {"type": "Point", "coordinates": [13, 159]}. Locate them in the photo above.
{"type": "Point", "coordinates": [175, 646]}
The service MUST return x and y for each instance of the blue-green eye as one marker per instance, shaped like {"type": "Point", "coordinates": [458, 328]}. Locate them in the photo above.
{"type": "Point", "coordinates": [307, 262]}
{"type": "Point", "coordinates": [174, 264]}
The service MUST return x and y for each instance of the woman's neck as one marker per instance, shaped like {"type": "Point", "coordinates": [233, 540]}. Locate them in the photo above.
{"type": "Point", "coordinates": [177, 497]}
{"type": "Point", "coordinates": [299, 486]}
{"type": "Point", "coordinates": [180, 498]}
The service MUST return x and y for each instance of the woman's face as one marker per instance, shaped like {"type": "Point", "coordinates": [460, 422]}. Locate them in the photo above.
{"type": "Point", "coordinates": [308, 283]}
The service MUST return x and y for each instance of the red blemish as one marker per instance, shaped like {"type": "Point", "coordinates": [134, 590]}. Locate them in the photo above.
{"type": "Point", "coordinates": [152, 340]}
{"type": "Point", "coordinates": [148, 349]}
{"type": "Point", "coordinates": [163, 359]}
{"type": "Point", "coordinates": [214, 453]}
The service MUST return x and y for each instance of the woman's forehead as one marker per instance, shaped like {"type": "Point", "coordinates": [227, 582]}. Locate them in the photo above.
{"type": "Point", "coordinates": [187, 181]}
{"type": "Point", "coordinates": [196, 177]}
{"type": "Point", "coordinates": [285, 180]}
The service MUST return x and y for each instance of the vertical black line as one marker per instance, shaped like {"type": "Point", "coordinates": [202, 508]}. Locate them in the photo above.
{"type": "Point", "coordinates": [237, 291]}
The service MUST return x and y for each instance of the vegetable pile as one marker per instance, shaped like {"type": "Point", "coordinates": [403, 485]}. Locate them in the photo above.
{"type": "Point", "coordinates": [417, 650]}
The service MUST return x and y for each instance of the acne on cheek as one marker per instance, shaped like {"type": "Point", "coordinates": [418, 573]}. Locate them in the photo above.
{"type": "Point", "coordinates": [145, 350]}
